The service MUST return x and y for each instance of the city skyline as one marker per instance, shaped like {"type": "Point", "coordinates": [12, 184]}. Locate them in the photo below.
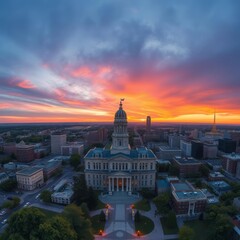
{"type": "Point", "coordinates": [71, 61]}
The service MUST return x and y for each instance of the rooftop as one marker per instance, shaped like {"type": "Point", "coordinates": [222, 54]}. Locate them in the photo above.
{"type": "Point", "coordinates": [233, 156]}
{"type": "Point", "coordinates": [167, 148]}
{"type": "Point", "coordinates": [186, 160]}
{"type": "Point", "coordinates": [197, 194]}
{"type": "Point", "coordinates": [106, 153]}
{"type": "Point", "coordinates": [29, 170]}
{"type": "Point", "coordinates": [181, 186]}
{"type": "Point", "coordinates": [220, 185]}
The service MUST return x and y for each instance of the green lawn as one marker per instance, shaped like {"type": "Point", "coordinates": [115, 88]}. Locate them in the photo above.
{"type": "Point", "coordinates": [202, 229]}
{"type": "Point", "coordinates": [145, 225]}
{"type": "Point", "coordinates": [166, 229]}
{"type": "Point", "coordinates": [142, 205]}
{"type": "Point", "coordinates": [97, 225]}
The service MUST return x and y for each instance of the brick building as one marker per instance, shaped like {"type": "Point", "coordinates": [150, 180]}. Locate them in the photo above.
{"type": "Point", "coordinates": [186, 200]}
{"type": "Point", "coordinates": [231, 164]}
{"type": "Point", "coordinates": [187, 166]}
{"type": "Point", "coordinates": [24, 152]}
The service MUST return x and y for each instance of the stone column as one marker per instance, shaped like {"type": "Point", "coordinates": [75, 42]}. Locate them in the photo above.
{"type": "Point", "coordinates": [112, 184]}
{"type": "Point", "coordinates": [122, 184]}
{"type": "Point", "coordinates": [130, 187]}
{"type": "Point", "coordinates": [109, 184]}
{"type": "Point", "coordinates": [117, 185]}
{"type": "Point", "coordinates": [127, 184]}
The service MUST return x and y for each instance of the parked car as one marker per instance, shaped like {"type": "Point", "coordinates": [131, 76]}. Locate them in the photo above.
{"type": "Point", "coordinates": [4, 221]}
{"type": "Point", "coordinates": [26, 204]}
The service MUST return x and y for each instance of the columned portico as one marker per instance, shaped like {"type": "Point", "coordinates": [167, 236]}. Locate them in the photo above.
{"type": "Point", "coordinates": [119, 183]}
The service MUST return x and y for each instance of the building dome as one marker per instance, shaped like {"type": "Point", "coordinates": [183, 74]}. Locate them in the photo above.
{"type": "Point", "coordinates": [120, 113]}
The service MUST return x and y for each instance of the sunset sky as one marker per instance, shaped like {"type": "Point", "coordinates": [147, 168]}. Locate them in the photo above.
{"type": "Point", "coordinates": [72, 60]}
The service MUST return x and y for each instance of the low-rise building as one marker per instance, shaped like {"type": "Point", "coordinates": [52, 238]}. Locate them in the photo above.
{"type": "Point", "coordinates": [63, 193]}
{"type": "Point", "coordinates": [219, 187]}
{"type": "Point", "coordinates": [186, 200]}
{"type": "Point", "coordinates": [69, 149]}
{"type": "Point", "coordinates": [215, 176]}
{"type": "Point", "coordinates": [168, 153]}
{"type": "Point", "coordinates": [30, 178]}
{"type": "Point", "coordinates": [50, 168]}
{"type": "Point", "coordinates": [187, 166]}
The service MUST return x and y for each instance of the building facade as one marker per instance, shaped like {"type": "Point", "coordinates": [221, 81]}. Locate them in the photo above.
{"type": "Point", "coordinates": [186, 200]}
{"type": "Point", "coordinates": [24, 152]}
{"type": "Point", "coordinates": [57, 141]}
{"type": "Point", "coordinates": [120, 168]}
{"type": "Point", "coordinates": [30, 178]}
{"type": "Point", "coordinates": [231, 164]}
{"type": "Point", "coordinates": [187, 166]}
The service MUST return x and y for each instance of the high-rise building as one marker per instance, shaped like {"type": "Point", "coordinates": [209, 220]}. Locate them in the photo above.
{"type": "Point", "coordinates": [57, 141]}
{"type": "Point", "coordinates": [148, 124]}
{"type": "Point", "coordinates": [120, 168]}
{"type": "Point", "coordinates": [197, 149]}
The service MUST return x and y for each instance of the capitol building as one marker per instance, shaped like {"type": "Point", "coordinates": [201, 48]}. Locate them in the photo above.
{"type": "Point", "coordinates": [120, 168]}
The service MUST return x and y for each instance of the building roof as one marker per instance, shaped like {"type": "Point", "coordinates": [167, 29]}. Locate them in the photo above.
{"type": "Point", "coordinates": [197, 194]}
{"type": "Point", "coordinates": [181, 186]}
{"type": "Point", "coordinates": [3, 175]}
{"type": "Point", "coordinates": [106, 153]}
{"type": "Point", "coordinates": [220, 185]}
{"type": "Point", "coordinates": [186, 160]}
{"type": "Point", "coordinates": [29, 170]}
{"type": "Point", "coordinates": [162, 184]}
{"type": "Point", "coordinates": [167, 148]}
{"type": "Point", "coordinates": [232, 156]}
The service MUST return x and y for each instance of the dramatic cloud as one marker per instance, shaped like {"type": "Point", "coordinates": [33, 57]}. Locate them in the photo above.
{"type": "Point", "coordinates": [72, 60]}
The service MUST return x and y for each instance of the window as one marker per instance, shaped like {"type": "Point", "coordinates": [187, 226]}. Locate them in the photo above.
{"type": "Point", "coordinates": [151, 166]}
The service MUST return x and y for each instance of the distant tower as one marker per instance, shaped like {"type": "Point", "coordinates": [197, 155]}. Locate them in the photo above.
{"type": "Point", "coordinates": [148, 124]}
{"type": "Point", "coordinates": [214, 128]}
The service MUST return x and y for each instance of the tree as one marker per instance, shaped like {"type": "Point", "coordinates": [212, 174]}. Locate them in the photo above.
{"type": "Point", "coordinates": [75, 160]}
{"type": "Point", "coordinates": [204, 170]}
{"type": "Point", "coordinates": [92, 199]}
{"type": "Point", "coordinates": [24, 223]}
{"type": "Point", "coordinates": [56, 228]}
{"type": "Point", "coordinates": [223, 227]}
{"type": "Point", "coordinates": [173, 170]}
{"type": "Point", "coordinates": [102, 216]}
{"type": "Point", "coordinates": [80, 189]}
{"type": "Point", "coordinates": [45, 196]}
{"type": "Point", "coordinates": [85, 210]}
{"type": "Point", "coordinates": [186, 233]}
{"type": "Point", "coordinates": [162, 203]}
{"type": "Point", "coordinates": [198, 183]}
{"type": "Point", "coordinates": [15, 201]}
{"type": "Point", "coordinates": [78, 221]}
{"type": "Point", "coordinates": [8, 185]}
{"type": "Point", "coordinates": [146, 193]}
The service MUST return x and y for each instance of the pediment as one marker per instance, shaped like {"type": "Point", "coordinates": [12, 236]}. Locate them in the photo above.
{"type": "Point", "coordinates": [121, 157]}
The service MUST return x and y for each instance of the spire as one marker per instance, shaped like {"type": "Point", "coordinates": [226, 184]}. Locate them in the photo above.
{"type": "Point", "coordinates": [120, 104]}
{"type": "Point", "coordinates": [214, 128]}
